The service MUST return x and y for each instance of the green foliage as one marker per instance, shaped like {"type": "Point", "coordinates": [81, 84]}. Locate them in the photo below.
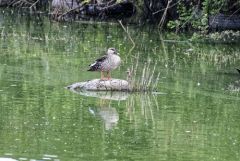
{"type": "Point", "coordinates": [184, 15]}
{"type": "Point", "coordinates": [195, 16]}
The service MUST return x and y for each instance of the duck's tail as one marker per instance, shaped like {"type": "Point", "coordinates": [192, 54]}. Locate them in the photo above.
{"type": "Point", "coordinates": [94, 67]}
{"type": "Point", "coordinates": [91, 69]}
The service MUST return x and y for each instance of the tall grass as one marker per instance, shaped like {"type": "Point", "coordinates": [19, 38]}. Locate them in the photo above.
{"type": "Point", "coordinates": [149, 77]}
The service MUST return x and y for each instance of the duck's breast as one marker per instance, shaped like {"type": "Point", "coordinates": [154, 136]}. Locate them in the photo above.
{"type": "Point", "coordinates": [115, 61]}
{"type": "Point", "coordinates": [112, 62]}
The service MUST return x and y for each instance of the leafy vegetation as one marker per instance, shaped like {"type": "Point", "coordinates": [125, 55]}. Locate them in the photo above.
{"type": "Point", "coordinates": [195, 16]}
{"type": "Point", "coordinates": [177, 15]}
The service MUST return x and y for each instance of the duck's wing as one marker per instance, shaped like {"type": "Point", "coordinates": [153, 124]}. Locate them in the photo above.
{"type": "Point", "coordinates": [101, 59]}
{"type": "Point", "coordinates": [97, 64]}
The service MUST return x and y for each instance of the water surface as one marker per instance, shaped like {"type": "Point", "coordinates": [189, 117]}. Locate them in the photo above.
{"type": "Point", "coordinates": [191, 116]}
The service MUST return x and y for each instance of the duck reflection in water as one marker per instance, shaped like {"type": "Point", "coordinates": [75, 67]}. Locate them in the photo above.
{"type": "Point", "coordinates": [109, 116]}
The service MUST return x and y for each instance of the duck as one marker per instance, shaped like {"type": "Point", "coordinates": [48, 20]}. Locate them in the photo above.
{"type": "Point", "coordinates": [110, 61]}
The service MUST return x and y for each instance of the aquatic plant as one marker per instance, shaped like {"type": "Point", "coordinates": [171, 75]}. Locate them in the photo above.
{"type": "Point", "coordinates": [149, 77]}
{"type": "Point", "coordinates": [228, 36]}
{"type": "Point", "coordinates": [234, 87]}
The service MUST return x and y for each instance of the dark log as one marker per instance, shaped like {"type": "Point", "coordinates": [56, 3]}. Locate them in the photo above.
{"type": "Point", "coordinates": [4, 2]}
{"type": "Point", "coordinates": [110, 9]}
{"type": "Point", "coordinates": [154, 9]}
{"type": "Point", "coordinates": [224, 22]}
{"type": "Point", "coordinates": [117, 10]}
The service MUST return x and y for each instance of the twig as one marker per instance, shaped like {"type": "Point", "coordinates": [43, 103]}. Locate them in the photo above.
{"type": "Point", "coordinates": [234, 13]}
{"type": "Point", "coordinates": [160, 25]}
{"type": "Point", "coordinates": [147, 73]}
{"type": "Point", "coordinates": [150, 79]}
{"type": "Point", "coordinates": [134, 72]}
{"type": "Point", "coordinates": [34, 4]}
{"type": "Point", "coordinates": [129, 36]}
{"type": "Point", "coordinates": [143, 77]}
{"type": "Point", "coordinates": [166, 8]}
{"type": "Point", "coordinates": [80, 6]}
{"type": "Point", "coordinates": [156, 82]}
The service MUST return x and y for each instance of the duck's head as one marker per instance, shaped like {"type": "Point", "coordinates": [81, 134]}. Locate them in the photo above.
{"type": "Point", "coordinates": [112, 51]}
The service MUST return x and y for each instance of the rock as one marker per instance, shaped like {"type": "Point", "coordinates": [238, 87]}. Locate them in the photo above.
{"type": "Point", "coordinates": [101, 85]}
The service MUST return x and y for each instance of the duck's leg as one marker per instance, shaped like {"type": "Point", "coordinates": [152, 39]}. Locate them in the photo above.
{"type": "Point", "coordinates": [108, 75]}
{"type": "Point", "coordinates": [102, 76]}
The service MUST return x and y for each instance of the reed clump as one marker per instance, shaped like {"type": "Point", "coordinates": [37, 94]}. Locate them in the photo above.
{"type": "Point", "coordinates": [149, 78]}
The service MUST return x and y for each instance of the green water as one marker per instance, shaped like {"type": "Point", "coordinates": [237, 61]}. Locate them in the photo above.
{"type": "Point", "coordinates": [192, 116]}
